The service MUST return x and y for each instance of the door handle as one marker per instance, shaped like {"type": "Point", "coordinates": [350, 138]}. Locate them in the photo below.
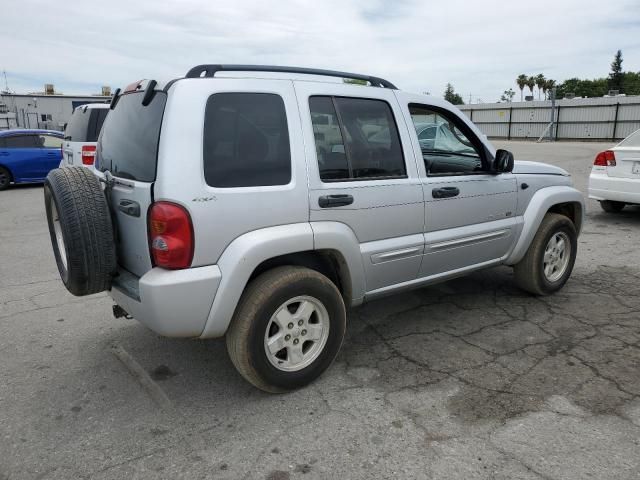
{"type": "Point", "coordinates": [329, 201]}
{"type": "Point", "coordinates": [129, 207]}
{"type": "Point", "coordinates": [445, 192]}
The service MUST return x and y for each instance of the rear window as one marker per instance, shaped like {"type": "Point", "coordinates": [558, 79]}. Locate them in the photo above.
{"type": "Point", "coordinates": [128, 144]}
{"type": "Point", "coordinates": [246, 140]}
{"type": "Point", "coordinates": [85, 126]}
{"type": "Point", "coordinates": [632, 140]}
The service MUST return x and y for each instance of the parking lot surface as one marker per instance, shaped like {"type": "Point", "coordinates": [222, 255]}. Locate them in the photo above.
{"type": "Point", "coordinates": [468, 379]}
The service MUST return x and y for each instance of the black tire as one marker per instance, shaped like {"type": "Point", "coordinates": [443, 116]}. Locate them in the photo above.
{"type": "Point", "coordinates": [76, 205]}
{"type": "Point", "coordinates": [529, 272]}
{"type": "Point", "coordinates": [5, 178]}
{"type": "Point", "coordinates": [260, 301]}
{"type": "Point", "coordinates": [610, 206]}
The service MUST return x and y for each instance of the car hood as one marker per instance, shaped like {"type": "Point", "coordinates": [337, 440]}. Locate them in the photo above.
{"type": "Point", "coordinates": [521, 166]}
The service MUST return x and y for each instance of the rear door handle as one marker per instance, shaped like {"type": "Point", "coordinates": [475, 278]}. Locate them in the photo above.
{"type": "Point", "coordinates": [445, 192]}
{"type": "Point", "coordinates": [329, 201]}
{"type": "Point", "coordinates": [129, 207]}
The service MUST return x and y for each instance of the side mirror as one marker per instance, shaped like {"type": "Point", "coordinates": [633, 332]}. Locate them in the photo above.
{"type": "Point", "coordinates": [503, 162]}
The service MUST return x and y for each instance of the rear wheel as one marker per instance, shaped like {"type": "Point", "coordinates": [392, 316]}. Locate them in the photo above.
{"type": "Point", "coordinates": [80, 228]}
{"type": "Point", "coordinates": [548, 263]}
{"type": "Point", "coordinates": [5, 178]}
{"type": "Point", "coordinates": [287, 329]}
{"type": "Point", "coordinates": [610, 206]}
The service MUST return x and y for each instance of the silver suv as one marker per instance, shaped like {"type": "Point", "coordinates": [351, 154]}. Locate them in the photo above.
{"type": "Point", "coordinates": [258, 202]}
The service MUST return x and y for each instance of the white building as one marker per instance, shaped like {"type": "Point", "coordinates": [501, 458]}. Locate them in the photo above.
{"type": "Point", "coordinates": [39, 110]}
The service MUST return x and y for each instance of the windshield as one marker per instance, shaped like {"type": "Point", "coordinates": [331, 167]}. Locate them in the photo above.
{"type": "Point", "coordinates": [128, 144]}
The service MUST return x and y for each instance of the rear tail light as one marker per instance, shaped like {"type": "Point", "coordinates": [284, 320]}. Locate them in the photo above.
{"type": "Point", "coordinates": [88, 154]}
{"type": "Point", "coordinates": [605, 159]}
{"type": "Point", "coordinates": [170, 236]}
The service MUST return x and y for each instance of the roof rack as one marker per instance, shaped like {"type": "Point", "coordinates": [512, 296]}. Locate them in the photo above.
{"type": "Point", "coordinates": [210, 71]}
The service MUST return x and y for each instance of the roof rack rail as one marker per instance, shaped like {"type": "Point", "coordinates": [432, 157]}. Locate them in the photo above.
{"type": "Point", "coordinates": [210, 71]}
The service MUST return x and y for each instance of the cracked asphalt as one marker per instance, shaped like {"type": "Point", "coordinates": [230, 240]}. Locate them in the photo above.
{"type": "Point", "coordinates": [470, 379]}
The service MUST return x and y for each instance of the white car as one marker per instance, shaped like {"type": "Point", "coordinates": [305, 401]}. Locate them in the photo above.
{"type": "Point", "coordinates": [615, 176]}
{"type": "Point", "coordinates": [81, 134]}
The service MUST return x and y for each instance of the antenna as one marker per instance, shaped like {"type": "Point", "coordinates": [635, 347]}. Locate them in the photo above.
{"type": "Point", "coordinates": [6, 83]}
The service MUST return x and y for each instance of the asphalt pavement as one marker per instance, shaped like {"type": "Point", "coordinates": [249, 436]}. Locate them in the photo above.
{"type": "Point", "coordinates": [470, 379]}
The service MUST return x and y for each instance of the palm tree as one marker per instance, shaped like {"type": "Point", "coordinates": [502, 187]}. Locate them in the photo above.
{"type": "Point", "coordinates": [521, 81]}
{"type": "Point", "coordinates": [548, 85]}
{"type": "Point", "coordinates": [540, 82]}
{"type": "Point", "coordinates": [531, 82]}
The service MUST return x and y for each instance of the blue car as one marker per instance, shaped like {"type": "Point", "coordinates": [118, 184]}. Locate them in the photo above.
{"type": "Point", "coordinates": [27, 156]}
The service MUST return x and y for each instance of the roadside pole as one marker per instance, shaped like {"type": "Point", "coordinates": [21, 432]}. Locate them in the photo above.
{"type": "Point", "coordinates": [552, 121]}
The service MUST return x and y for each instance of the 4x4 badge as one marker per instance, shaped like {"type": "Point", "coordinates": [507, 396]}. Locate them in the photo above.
{"type": "Point", "coordinates": [204, 199]}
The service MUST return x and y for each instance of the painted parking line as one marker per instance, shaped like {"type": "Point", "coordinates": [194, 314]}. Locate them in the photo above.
{"type": "Point", "coordinates": [154, 390]}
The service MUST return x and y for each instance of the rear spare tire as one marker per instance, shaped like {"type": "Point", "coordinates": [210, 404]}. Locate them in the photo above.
{"type": "Point", "coordinates": [81, 230]}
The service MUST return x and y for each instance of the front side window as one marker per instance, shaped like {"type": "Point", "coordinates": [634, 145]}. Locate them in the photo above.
{"type": "Point", "coordinates": [23, 141]}
{"type": "Point", "coordinates": [246, 140]}
{"type": "Point", "coordinates": [446, 150]}
{"type": "Point", "coordinates": [356, 139]}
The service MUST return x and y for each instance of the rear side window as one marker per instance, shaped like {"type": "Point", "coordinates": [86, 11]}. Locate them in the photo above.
{"type": "Point", "coordinates": [49, 141]}
{"type": "Point", "coordinates": [23, 141]}
{"type": "Point", "coordinates": [85, 125]}
{"type": "Point", "coordinates": [246, 140]}
{"type": "Point", "coordinates": [356, 139]}
{"type": "Point", "coordinates": [128, 143]}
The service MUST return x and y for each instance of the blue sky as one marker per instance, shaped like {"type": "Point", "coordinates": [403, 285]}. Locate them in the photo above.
{"type": "Point", "coordinates": [420, 45]}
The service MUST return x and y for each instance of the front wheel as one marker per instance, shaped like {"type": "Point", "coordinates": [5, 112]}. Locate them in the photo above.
{"type": "Point", "coordinates": [548, 263]}
{"type": "Point", "coordinates": [5, 178]}
{"type": "Point", "coordinates": [610, 206]}
{"type": "Point", "coordinates": [287, 329]}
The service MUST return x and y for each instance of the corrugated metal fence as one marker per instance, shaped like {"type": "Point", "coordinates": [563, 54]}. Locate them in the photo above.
{"type": "Point", "coordinates": [577, 119]}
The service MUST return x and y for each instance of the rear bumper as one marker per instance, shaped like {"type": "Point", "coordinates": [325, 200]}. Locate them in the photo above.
{"type": "Point", "coordinates": [604, 187]}
{"type": "Point", "coordinates": [173, 303]}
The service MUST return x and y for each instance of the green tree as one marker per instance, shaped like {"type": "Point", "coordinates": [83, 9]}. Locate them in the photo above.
{"type": "Point", "coordinates": [540, 83]}
{"type": "Point", "coordinates": [507, 95]}
{"type": "Point", "coordinates": [451, 96]}
{"type": "Point", "coordinates": [597, 87]}
{"type": "Point", "coordinates": [631, 83]}
{"type": "Point", "coordinates": [522, 82]}
{"type": "Point", "coordinates": [531, 82]}
{"type": "Point", "coordinates": [355, 81]}
{"type": "Point", "coordinates": [616, 75]}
